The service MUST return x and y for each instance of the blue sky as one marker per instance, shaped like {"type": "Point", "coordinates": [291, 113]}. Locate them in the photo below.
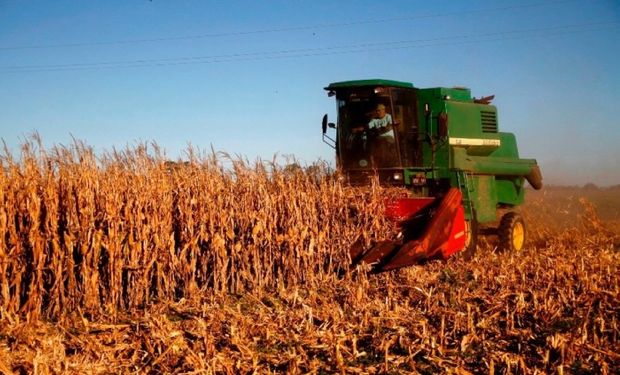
{"type": "Point", "coordinates": [247, 77]}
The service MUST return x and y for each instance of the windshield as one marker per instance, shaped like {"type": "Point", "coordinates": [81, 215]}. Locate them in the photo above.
{"type": "Point", "coordinates": [367, 136]}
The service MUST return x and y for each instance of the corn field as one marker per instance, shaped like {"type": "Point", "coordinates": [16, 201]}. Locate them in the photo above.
{"type": "Point", "coordinates": [124, 262]}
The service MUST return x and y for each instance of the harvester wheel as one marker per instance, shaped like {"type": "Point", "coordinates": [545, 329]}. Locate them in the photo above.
{"type": "Point", "coordinates": [471, 240]}
{"type": "Point", "coordinates": [511, 232]}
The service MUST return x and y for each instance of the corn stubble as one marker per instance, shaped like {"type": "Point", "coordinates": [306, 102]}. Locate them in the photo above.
{"type": "Point", "coordinates": [128, 263]}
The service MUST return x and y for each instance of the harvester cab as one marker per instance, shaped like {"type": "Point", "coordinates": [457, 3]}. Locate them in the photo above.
{"type": "Point", "coordinates": [446, 148]}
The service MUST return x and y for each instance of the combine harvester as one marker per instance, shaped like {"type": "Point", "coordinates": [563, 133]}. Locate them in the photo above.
{"type": "Point", "coordinates": [446, 148]}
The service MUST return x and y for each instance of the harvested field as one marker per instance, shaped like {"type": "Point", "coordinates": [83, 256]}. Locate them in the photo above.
{"type": "Point", "coordinates": [126, 263]}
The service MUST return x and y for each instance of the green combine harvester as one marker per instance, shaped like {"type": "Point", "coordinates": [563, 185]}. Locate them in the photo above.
{"type": "Point", "coordinates": [446, 148]}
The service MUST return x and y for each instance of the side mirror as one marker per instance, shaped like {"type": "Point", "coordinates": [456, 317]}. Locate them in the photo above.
{"type": "Point", "coordinates": [324, 124]}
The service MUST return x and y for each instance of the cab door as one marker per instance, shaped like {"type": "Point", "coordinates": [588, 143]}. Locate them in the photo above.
{"type": "Point", "coordinates": [404, 113]}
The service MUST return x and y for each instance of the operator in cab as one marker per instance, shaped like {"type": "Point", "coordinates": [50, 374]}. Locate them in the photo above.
{"type": "Point", "coordinates": [379, 133]}
{"type": "Point", "coordinates": [379, 125]}
{"type": "Point", "coordinates": [382, 123]}
{"type": "Point", "coordinates": [376, 140]}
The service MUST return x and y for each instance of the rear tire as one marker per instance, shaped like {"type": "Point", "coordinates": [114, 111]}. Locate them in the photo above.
{"type": "Point", "coordinates": [511, 232]}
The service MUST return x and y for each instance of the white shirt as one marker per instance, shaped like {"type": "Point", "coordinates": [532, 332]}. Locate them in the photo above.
{"type": "Point", "coordinates": [380, 124]}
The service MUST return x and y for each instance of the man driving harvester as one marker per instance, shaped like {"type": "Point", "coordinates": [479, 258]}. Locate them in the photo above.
{"type": "Point", "coordinates": [382, 123]}
{"type": "Point", "coordinates": [380, 133]}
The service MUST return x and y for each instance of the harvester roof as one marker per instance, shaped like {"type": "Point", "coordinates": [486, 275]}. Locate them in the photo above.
{"type": "Point", "coordinates": [369, 82]}
{"type": "Point", "coordinates": [454, 93]}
